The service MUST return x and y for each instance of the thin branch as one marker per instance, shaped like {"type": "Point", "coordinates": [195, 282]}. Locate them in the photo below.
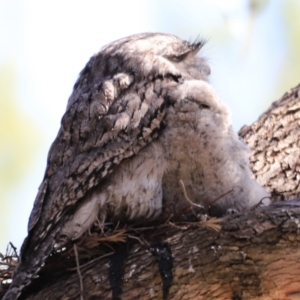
{"type": "Point", "coordinates": [79, 273]}
{"type": "Point", "coordinates": [186, 196]}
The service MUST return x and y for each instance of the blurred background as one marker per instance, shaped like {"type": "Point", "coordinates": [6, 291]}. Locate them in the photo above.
{"type": "Point", "coordinates": [253, 50]}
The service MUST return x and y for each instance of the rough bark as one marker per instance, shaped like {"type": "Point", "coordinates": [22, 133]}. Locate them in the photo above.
{"type": "Point", "coordinates": [252, 256]}
{"type": "Point", "coordinates": [275, 140]}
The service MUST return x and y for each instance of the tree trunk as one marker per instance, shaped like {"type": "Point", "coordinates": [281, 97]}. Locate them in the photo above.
{"type": "Point", "coordinates": [254, 255]}
{"type": "Point", "coordinates": [275, 143]}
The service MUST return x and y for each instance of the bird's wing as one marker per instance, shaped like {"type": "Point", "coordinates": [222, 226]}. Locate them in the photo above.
{"type": "Point", "coordinates": [108, 123]}
{"type": "Point", "coordinates": [117, 107]}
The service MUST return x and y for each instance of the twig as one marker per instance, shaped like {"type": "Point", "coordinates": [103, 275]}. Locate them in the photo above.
{"type": "Point", "coordinates": [223, 195]}
{"type": "Point", "coordinates": [178, 227]}
{"type": "Point", "coordinates": [136, 238]}
{"type": "Point", "coordinates": [169, 218]}
{"type": "Point", "coordinates": [15, 250]}
{"type": "Point", "coordinates": [259, 203]}
{"type": "Point", "coordinates": [117, 226]}
{"type": "Point", "coordinates": [186, 196]}
{"type": "Point", "coordinates": [79, 273]}
{"type": "Point", "coordinates": [92, 261]}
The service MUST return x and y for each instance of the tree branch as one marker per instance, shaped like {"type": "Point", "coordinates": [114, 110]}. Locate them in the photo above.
{"type": "Point", "coordinates": [254, 256]}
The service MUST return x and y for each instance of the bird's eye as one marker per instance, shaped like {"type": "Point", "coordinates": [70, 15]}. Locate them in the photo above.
{"type": "Point", "coordinates": [190, 104]}
{"type": "Point", "coordinates": [204, 106]}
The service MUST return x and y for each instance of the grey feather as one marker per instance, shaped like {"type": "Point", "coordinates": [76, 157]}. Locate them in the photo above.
{"type": "Point", "coordinates": [141, 117]}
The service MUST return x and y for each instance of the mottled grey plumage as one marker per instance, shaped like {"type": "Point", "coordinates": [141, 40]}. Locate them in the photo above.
{"type": "Point", "coordinates": [141, 117]}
